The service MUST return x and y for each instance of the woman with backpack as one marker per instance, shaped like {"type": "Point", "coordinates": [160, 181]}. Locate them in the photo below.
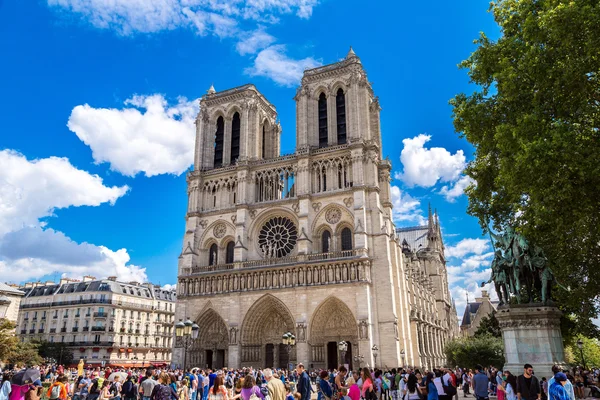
{"type": "Point", "coordinates": [250, 390]}
{"type": "Point", "coordinates": [411, 389]}
{"type": "Point", "coordinates": [368, 391]}
{"type": "Point", "coordinates": [324, 390]}
{"type": "Point", "coordinates": [129, 389]}
{"type": "Point", "coordinates": [105, 390]}
{"type": "Point", "coordinates": [162, 391]}
{"type": "Point", "coordinates": [58, 390]}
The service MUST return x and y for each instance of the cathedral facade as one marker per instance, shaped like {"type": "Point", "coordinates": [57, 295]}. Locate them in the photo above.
{"type": "Point", "coordinates": [305, 243]}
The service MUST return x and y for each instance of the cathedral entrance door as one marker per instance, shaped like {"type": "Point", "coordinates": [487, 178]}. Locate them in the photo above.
{"type": "Point", "coordinates": [220, 362]}
{"type": "Point", "coordinates": [348, 356]}
{"type": "Point", "coordinates": [283, 356]}
{"type": "Point", "coordinates": [269, 356]}
{"type": "Point", "coordinates": [209, 359]}
{"type": "Point", "coordinates": [332, 355]}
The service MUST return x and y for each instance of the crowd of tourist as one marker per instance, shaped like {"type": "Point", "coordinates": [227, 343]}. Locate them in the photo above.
{"type": "Point", "coordinates": [59, 383]}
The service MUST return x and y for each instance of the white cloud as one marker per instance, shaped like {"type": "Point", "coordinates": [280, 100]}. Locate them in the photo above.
{"type": "Point", "coordinates": [425, 167]}
{"type": "Point", "coordinates": [30, 190]}
{"type": "Point", "coordinates": [128, 17]}
{"type": "Point", "coordinates": [468, 246]}
{"type": "Point", "coordinates": [34, 189]}
{"type": "Point", "coordinates": [169, 286]}
{"type": "Point", "coordinates": [405, 208]}
{"type": "Point", "coordinates": [457, 190]}
{"type": "Point", "coordinates": [157, 141]}
{"type": "Point", "coordinates": [252, 42]}
{"type": "Point", "coordinates": [273, 63]}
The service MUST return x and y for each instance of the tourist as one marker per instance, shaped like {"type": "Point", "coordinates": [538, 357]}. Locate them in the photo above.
{"type": "Point", "coordinates": [58, 390]}
{"type": "Point", "coordinates": [528, 386]}
{"type": "Point", "coordinates": [105, 390]}
{"type": "Point", "coordinates": [480, 384]}
{"type": "Point", "coordinates": [340, 378]}
{"type": "Point", "coordinates": [439, 385]}
{"type": "Point", "coordinates": [5, 388]}
{"type": "Point", "coordinates": [183, 391]}
{"type": "Point", "coordinates": [238, 387]}
{"type": "Point", "coordinates": [147, 385]}
{"type": "Point", "coordinates": [218, 390]}
{"type": "Point", "coordinates": [288, 392]}
{"type": "Point", "coordinates": [324, 390]}
{"type": "Point", "coordinates": [368, 392]}
{"type": "Point", "coordinates": [411, 389]}
{"type": "Point", "coordinates": [568, 385]}
{"type": "Point", "coordinates": [205, 385]}
{"type": "Point", "coordinates": [500, 388]}
{"type": "Point", "coordinates": [162, 390]}
{"type": "Point", "coordinates": [557, 389]}
{"type": "Point", "coordinates": [510, 386]}
{"type": "Point", "coordinates": [430, 387]}
{"type": "Point", "coordinates": [275, 387]}
{"type": "Point", "coordinates": [353, 389]}
{"type": "Point", "coordinates": [544, 388]}
{"type": "Point", "coordinates": [249, 388]}
{"type": "Point", "coordinates": [303, 386]}
{"type": "Point", "coordinates": [115, 388]}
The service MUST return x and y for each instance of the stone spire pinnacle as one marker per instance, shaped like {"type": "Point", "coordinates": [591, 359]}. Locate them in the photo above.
{"type": "Point", "coordinates": [211, 89]}
{"type": "Point", "coordinates": [430, 224]}
{"type": "Point", "coordinates": [351, 53]}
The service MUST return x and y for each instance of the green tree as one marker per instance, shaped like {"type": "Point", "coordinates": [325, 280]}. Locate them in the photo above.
{"type": "Point", "coordinates": [7, 338]}
{"type": "Point", "coordinates": [469, 351]}
{"type": "Point", "coordinates": [590, 349]}
{"type": "Point", "coordinates": [24, 353]}
{"type": "Point", "coordinates": [489, 325]}
{"type": "Point", "coordinates": [535, 126]}
{"type": "Point", "coordinates": [58, 351]}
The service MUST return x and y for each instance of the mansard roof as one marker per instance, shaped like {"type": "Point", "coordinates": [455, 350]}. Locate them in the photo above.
{"type": "Point", "coordinates": [4, 288]}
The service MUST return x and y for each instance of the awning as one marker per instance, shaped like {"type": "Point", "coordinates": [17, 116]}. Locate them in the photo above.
{"type": "Point", "coordinates": [121, 350]}
{"type": "Point", "coordinates": [130, 350]}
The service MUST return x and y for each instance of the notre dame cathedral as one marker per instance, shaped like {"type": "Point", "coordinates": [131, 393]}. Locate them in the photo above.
{"type": "Point", "coordinates": [305, 243]}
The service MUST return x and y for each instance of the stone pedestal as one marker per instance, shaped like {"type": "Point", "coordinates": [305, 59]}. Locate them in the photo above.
{"type": "Point", "coordinates": [531, 335]}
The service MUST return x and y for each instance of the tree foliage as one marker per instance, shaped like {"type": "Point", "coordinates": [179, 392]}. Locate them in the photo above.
{"type": "Point", "coordinates": [24, 353]}
{"type": "Point", "coordinates": [534, 124]}
{"type": "Point", "coordinates": [8, 340]}
{"type": "Point", "coordinates": [467, 352]}
{"type": "Point", "coordinates": [489, 325]}
{"type": "Point", "coordinates": [58, 351]}
{"type": "Point", "coordinates": [590, 349]}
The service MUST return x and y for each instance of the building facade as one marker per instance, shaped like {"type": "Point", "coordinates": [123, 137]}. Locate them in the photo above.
{"type": "Point", "coordinates": [474, 311]}
{"type": "Point", "coordinates": [10, 299]}
{"type": "Point", "coordinates": [304, 242]}
{"type": "Point", "coordinates": [105, 322]}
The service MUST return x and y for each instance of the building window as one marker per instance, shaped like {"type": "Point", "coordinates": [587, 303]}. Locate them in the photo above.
{"type": "Point", "coordinates": [322, 120]}
{"type": "Point", "coordinates": [326, 242]}
{"type": "Point", "coordinates": [340, 106]}
{"type": "Point", "coordinates": [212, 255]}
{"type": "Point", "coordinates": [235, 138]}
{"type": "Point", "coordinates": [219, 143]}
{"type": "Point", "coordinates": [346, 239]}
{"type": "Point", "coordinates": [229, 253]}
{"type": "Point", "coordinates": [264, 137]}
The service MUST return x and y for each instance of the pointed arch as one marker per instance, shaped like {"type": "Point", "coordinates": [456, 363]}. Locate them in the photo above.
{"type": "Point", "coordinates": [235, 137]}
{"type": "Point", "coordinates": [340, 112]}
{"type": "Point", "coordinates": [266, 320]}
{"type": "Point", "coordinates": [219, 138]}
{"type": "Point", "coordinates": [322, 120]}
{"type": "Point", "coordinates": [332, 321]}
{"type": "Point", "coordinates": [213, 331]}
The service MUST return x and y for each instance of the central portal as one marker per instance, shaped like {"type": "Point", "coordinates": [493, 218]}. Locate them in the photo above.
{"type": "Point", "coordinates": [332, 355]}
{"type": "Point", "coordinates": [269, 356]}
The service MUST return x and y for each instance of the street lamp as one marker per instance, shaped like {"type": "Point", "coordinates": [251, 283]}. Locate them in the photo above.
{"type": "Point", "coordinates": [188, 332]}
{"type": "Point", "coordinates": [580, 345]}
{"type": "Point", "coordinates": [375, 349]}
{"type": "Point", "coordinates": [343, 347]}
{"type": "Point", "coordinates": [402, 355]}
{"type": "Point", "coordinates": [289, 340]}
{"type": "Point", "coordinates": [359, 359]}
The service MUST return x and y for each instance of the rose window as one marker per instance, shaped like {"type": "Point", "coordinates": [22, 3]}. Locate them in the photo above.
{"type": "Point", "coordinates": [277, 237]}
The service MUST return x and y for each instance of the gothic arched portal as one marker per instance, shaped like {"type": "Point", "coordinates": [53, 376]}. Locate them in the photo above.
{"type": "Point", "coordinates": [264, 324]}
{"type": "Point", "coordinates": [210, 350]}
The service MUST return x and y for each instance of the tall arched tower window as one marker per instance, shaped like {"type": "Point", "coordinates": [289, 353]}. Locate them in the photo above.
{"type": "Point", "coordinates": [346, 239]}
{"type": "Point", "coordinates": [340, 106]}
{"type": "Point", "coordinates": [219, 143]}
{"type": "Point", "coordinates": [322, 120]}
{"type": "Point", "coordinates": [326, 242]}
{"type": "Point", "coordinates": [235, 137]}
{"type": "Point", "coordinates": [213, 254]}
{"type": "Point", "coordinates": [229, 253]}
{"type": "Point", "coordinates": [264, 138]}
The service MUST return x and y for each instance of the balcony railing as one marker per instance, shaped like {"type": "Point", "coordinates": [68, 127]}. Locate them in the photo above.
{"type": "Point", "coordinates": [23, 331]}
{"type": "Point", "coordinates": [63, 329]}
{"type": "Point", "coordinates": [31, 331]}
{"type": "Point", "coordinates": [66, 303]}
{"type": "Point", "coordinates": [98, 328]}
{"type": "Point", "coordinates": [100, 314]}
{"type": "Point", "coordinates": [75, 329]}
{"type": "Point", "coordinates": [43, 317]}
{"type": "Point", "coordinates": [86, 328]}
{"type": "Point", "coordinates": [267, 262]}
{"type": "Point", "coordinates": [52, 330]}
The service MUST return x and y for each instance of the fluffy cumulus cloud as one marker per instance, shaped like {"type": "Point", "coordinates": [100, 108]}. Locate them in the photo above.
{"type": "Point", "coordinates": [426, 167]}
{"type": "Point", "coordinates": [273, 63]}
{"type": "Point", "coordinates": [169, 286]}
{"type": "Point", "coordinates": [148, 135]}
{"type": "Point", "coordinates": [457, 189]}
{"type": "Point", "coordinates": [469, 263]}
{"type": "Point", "coordinates": [252, 42]}
{"type": "Point", "coordinates": [222, 18]}
{"type": "Point", "coordinates": [31, 190]}
{"type": "Point", "coordinates": [406, 209]}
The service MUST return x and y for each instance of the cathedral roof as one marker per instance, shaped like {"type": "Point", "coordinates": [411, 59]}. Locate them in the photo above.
{"type": "Point", "coordinates": [415, 236]}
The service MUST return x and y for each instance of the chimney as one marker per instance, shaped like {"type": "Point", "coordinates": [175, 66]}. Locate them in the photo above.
{"type": "Point", "coordinates": [484, 293]}
{"type": "Point", "coordinates": [112, 278]}
{"type": "Point", "coordinates": [89, 278]}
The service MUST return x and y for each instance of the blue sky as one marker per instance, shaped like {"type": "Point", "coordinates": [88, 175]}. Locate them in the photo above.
{"type": "Point", "coordinates": [98, 99]}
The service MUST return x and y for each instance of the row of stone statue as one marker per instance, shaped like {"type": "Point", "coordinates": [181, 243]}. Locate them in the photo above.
{"type": "Point", "coordinates": [518, 264]}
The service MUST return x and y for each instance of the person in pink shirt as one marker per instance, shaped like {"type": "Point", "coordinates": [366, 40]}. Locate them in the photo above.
{"type": "Point", "coordinates": [18, 392]}
{"type": "Point", "coordinates": [367, 382]}
{"type": "Point", "coordinates": [353, 389]}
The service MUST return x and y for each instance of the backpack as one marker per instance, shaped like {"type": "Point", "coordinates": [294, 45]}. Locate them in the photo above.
{"type": "Point", "coordinates": [113, 388]}
{"type": "Point", "coordinates": [55, 393]}
{"type": "Point", "coordinates": [94, 388]}
{"type": "Point", "coordinates": [162, 392]}
{"type": "Point", "coordinates": [385, 383]}
{"type": "Point", "coordinates": [393, 383]}
{"type": "Point", "coordinates": [449, 389]}
{"type": "Point", "coordinates": [129, 389]}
